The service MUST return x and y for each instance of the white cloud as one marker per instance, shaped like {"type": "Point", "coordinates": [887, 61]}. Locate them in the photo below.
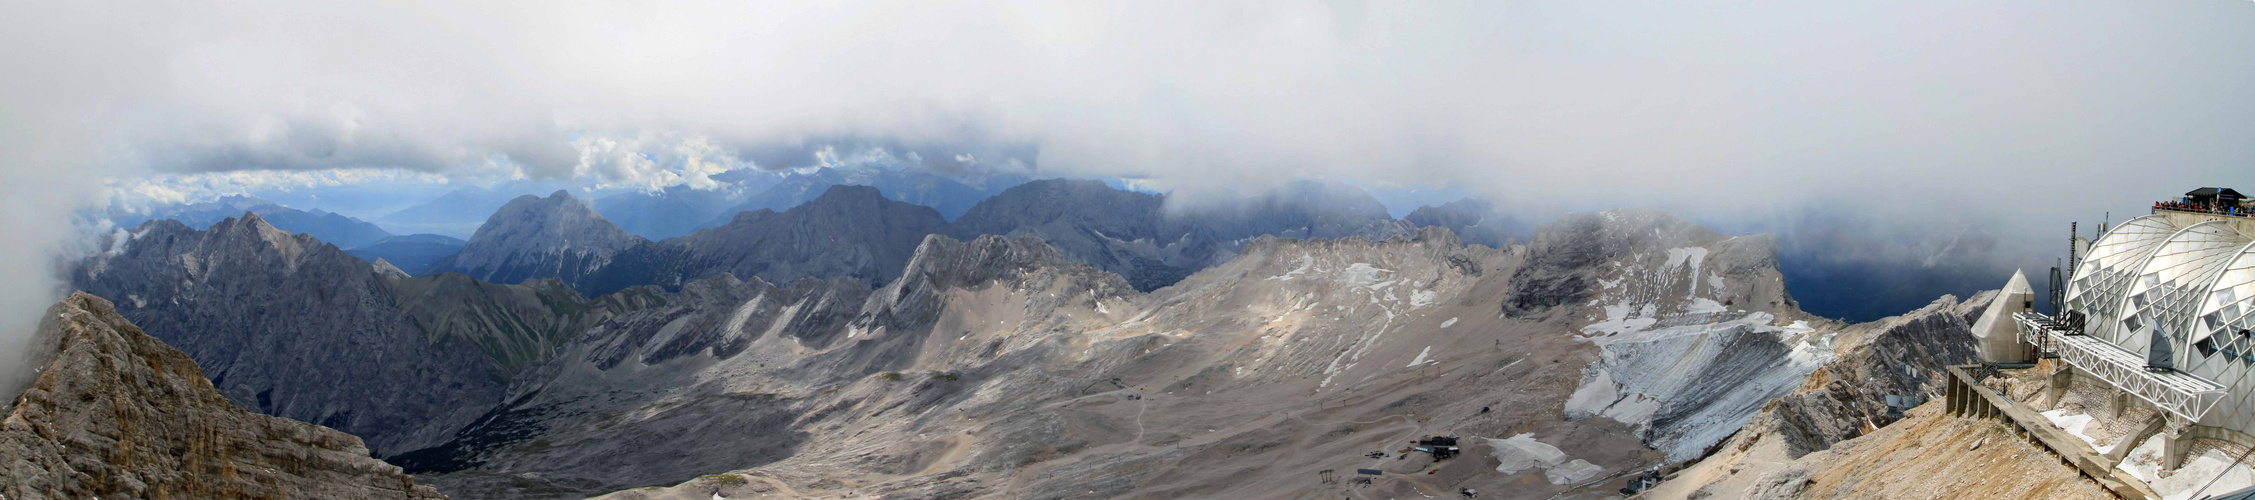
{"type": "Point", "coordinates": [650, 162]}
{"type": "Point", "coordinates": [139, 193]}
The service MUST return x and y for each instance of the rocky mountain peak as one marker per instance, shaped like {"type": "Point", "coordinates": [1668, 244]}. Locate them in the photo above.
{"type": "Point", "coordinates": [533, 237]}
{"type": "Point", "coordinates": [255, 228]}
{"type": "Point", "coordinates": [559, 219]}
{"type": "Point", "coordinates": [840, 193]}
{"type": "Point", "coordinates": [115, 413]}
{"type": "Point", "coordinates": [847, 232]}
{"type": "Point", "coordinates": [1645, 263]}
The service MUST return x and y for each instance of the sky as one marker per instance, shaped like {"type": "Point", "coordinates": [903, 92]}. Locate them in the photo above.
{"type": "Point", "coordinates": [2002, 120]}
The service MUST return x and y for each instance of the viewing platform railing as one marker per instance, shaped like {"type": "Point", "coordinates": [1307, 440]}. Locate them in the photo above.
{"type": "Point", "coordinates": [2218, 212]}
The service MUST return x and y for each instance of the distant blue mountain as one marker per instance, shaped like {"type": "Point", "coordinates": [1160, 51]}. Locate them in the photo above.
{"type": "Point", "coordinates": [459, 212]}
{"type": "Point", "coordinates": [335, 229]}
{"type": "Point", "coordinates": [951, 197]}
{"type": "Point", "coordinates": [413, 253]}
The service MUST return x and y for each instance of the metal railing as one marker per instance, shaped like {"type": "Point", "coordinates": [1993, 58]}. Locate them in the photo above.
{"type": "Point", "coordinates": [2218, 212]}
{"type": "Point", "coordinates": [2178, 393]}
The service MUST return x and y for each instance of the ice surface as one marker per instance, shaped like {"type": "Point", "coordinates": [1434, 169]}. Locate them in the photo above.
{"type": "Point", "coordinates": [1644, 372]}
{"type": "Point", "coordinates": [1572, 472]}
{"type": "Point", "coordinates": [1523, 452]}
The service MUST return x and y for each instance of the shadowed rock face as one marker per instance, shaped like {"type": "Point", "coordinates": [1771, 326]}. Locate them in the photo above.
{"type": "Point", "coordinates": [532, 237]}
{"type": "Point", "coordinates": [1566, 258]}
{"type": "Point", "coordinates": [1138, 237]}
{"type": "Point", "coordinates": [1901, 355]}
{"type": "Point", "coordinates": [1833, 435]}
{"type": "Point", "coordinates": [856, 232]}
{"type": "Point", "coordinates": [1472, 219]}
{"type": "Point", "coordinates": [290, 327]}
{"type": "Point", "coordinates": [115, 413]}
{"type": "Point", "coordinates": [849, 232]}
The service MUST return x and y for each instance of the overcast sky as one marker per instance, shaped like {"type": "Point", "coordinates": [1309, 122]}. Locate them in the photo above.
{"type": "Point", "coordinates": [2011, 117]}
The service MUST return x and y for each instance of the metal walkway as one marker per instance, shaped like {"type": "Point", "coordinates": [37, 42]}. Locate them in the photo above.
{"type": "Point", "coordinates": [2182, 394]}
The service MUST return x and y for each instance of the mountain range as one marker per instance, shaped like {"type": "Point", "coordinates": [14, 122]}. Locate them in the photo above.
{"type": "Point", "coordinates": [1061, 338]}
{"type": "Point", "coordinates": [872, 342]}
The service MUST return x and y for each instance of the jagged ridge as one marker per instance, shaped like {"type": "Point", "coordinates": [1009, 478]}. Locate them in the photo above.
{"type": "Point", "coordinates": [115, 413]}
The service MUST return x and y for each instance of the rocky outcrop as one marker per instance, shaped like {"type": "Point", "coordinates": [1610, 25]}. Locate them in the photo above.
{"type": "Point", "coordinates": [1694, 329]}
{"type": "Point", "coordinates": [1902, 356]}
{"type": "Point", "coordinates": [1474, 220]}
{"type": "Point", "coordinates": [1817, 439]}
{"type": "Point", "coordinates": [1649, 263]}
{"type": "Point", "coordinates": [532, 237]}
{"type": "Point", "coordinates": [1114, 230]}
{"type": "Point", "coordinates": [114, 413]}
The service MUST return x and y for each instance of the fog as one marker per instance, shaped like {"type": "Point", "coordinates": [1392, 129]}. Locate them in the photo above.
{"type": "Point", "coordinates": [1911, 121]}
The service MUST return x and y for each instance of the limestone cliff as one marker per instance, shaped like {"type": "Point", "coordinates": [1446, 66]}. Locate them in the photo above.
{"type": "Point", "coordinates": [114, 413]}
{"type": "Point", "coordinates": [1807, 443]}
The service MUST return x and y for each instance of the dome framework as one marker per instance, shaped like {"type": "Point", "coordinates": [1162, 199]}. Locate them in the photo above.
{"type": "Point", "coordinates": [2177, 289]}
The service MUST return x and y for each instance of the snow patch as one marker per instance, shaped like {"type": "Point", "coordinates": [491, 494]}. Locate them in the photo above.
{"type": "Point", "coordinates": [1446, 324]}
{"type": "Point", "coordinates": [1421, 298]}
{"type": "Point", "coordinates": [1420, 357]}
{"type": "Point", "coordinates": [2076, 424]}
{"type": "Point", "coordinates": [2199, 471]}
{"type": "Point", "coordinates": [1305, 261]}
{"type": "Point", "coordinates": [1361, 274]}
{"type": "Point", "coordinates": [2144, 463]}
{"type": "Point", "coordinates": [1622, 318]}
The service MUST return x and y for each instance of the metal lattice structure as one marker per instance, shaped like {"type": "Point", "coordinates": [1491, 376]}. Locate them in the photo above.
{"type": "Point", "coordinates": [2184, 280]}
{"type": "Point", "coordinates": [2182, 394]}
